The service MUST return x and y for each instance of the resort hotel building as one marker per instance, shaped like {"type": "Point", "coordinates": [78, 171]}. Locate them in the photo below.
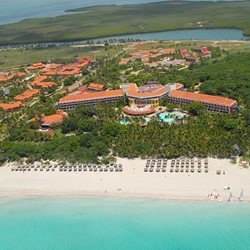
{"type": "Point", "coordinates": [148, 94]}
{"type": "Point", "coordinates": [90, 98]}
{"type": "Point", "coordinates": [213, 103]}
{"type": "Point", "coordinates": [143, 100]}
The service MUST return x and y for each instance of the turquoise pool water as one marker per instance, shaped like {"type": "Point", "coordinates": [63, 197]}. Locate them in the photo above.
{"type": "Point", "coordinates": [123, 122]}
{"type": "Point", "coordinates": [114, 224]}
{"type": "Point", "coordinates": [163, 116]}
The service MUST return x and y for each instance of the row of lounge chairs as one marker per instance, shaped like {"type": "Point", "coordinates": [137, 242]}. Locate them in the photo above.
{"type": "Point", "coordinates": [71, 168]}
{"type": "Point", "coordinates": [177, 163]}
{"type": "Point", "coordinates": [176, 170]}
{"type": "Point", "coordinates": [157, 162]}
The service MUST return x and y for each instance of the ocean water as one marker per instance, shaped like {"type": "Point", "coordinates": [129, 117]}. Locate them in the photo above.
{"type": "Point", "coordinates": [108, 224]}
{"type": "Point", "coordinates": [16, 10]}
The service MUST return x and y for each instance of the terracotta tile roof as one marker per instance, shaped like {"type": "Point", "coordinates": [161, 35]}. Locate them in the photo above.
{"type": "Point", "coordinates": [45, 84]}
{"type": "Point", "coordinates": [68, 71]}
{"type": "Point", "coordinates": [92, 95]}
{"type": "Point", "coordinates": [95, 86]}
{"type": "Point", "coordinates": [145, 58]}
{"type": "Point", "coordinates": [39, 81]}
{"type": "Point", "coordinates": [6, 78]}
{"type": "Point", "coordinates": [11, 106]}
{"type": "Point", "coordinates": [122, 62]}
{"type": "Point", "coordinates": [37, 66]}
{"type": "Point", "coordinates": [50, 73]}
{"type": "Point", "coordinates": [28, 94]}
{"type": "Point", "coordinates": [133, 92]}
{"type": "Point", "coordinates": [202, 98]}
{"type": "Point", "coordinates": [40, 78]}
{"type": "Point", "coordinates": [54, 119]}
{"type": "Point", "coordinates": [179, 86]}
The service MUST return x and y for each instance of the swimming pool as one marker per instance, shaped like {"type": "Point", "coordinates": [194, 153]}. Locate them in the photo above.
{"type": "Point", "coordinates": [124, 122]}
{"type": "Point", "coordinates": [169, 116]}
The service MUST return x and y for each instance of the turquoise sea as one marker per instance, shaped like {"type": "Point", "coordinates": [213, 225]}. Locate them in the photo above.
{"type": "Point", "coordinates": [67, 223]}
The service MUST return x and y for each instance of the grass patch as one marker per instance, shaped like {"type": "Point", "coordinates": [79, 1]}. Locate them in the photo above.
{"type": "Point", "coordinates": [23, 57]}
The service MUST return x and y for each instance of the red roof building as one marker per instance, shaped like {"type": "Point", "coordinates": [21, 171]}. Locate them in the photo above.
{"type": "Point", "coordinates": [36, 66]}
{"type": "Point", "coordinates": [90, 98]}
{"type": "Point", "coordinates": [39, 81]}
{"type": "Point", "coordinates": [10, 107]}
{"type": "Point", "coordinates": [8, 77]}
{"type": "Point", "coordinates": [27, 95]}
{"type": "Point", "coordinates": [95, 86]}
{"type": "Point", "coordinates": [149, 94]}
{"type": "Point", "coordinates": [213, 103]}
{"type": "Point", "coordinates": [57, 118]}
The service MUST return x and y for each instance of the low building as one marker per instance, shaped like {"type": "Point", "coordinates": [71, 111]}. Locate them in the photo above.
{"type": "Point", "coordinates": [27, 95]}
{"type": "Point", "coordinates": [65, 70]}
{"type": "Point", "coordinates": [213, 103]}
{"type": "Point", "coordinates": [10, 76]}
{"type": "Point", "coordinates": [145, 55]}
{"type": "Point", "coordinates": [36, 66]}
{"type": "Point", "coordinates": [90, 98]}
{"type": "Point", "coordinates": [39, 81]}
{"type": "Point", "coordinates": [95, 87]}
{"type": "Point", "coordinates": [49, 120]}
{"type": "Point", "coordinates": [11, 107]}
{"type": "Point", "coordinates": [149, 94]}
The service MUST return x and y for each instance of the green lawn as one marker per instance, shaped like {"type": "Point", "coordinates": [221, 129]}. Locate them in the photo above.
{"type": "Point", "coordinates": [21, 57]}
{"type": "Point", "coordinates": [112, 20]}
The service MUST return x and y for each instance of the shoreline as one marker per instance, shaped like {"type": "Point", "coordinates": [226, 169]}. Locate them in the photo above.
{"type": "Point", "coordinates": [94, 40]}
{"type": "Point", "coordinates": [121, 196]}
{"type": "Point", "coordinates": [132, 183]}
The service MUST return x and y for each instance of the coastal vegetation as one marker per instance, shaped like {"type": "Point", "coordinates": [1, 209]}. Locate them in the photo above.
{"type": "Point", "coordinates": [97, 133]}
{"type": "Point", "coordinates": [94, 134]}
{"type": "Point", "coordinates": [102, 21]}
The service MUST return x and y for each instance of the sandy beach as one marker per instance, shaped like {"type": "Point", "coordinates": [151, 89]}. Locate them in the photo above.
{"type": "Point", "coordinates": [133, 182]}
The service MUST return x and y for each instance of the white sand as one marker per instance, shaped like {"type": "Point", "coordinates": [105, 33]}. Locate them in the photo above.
{"type": "Point", "coordinates": [132, 182]}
